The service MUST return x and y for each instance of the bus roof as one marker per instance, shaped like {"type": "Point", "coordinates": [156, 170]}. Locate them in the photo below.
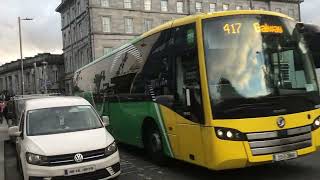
{"type": "Point", "coordinates": [187, 20]}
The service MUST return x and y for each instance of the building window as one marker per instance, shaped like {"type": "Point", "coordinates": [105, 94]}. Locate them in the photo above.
{"type": "Point", "coordinates": [107, 50]}
{"type": "Point", "coordinates": [238, 7]}
{"type": "Point", "coordinates": [74, 12]}
{"type": "Point", "coordinates": [63, 21]}
{"type": "Point", "coordinates": [179, 7]}
{"type": "Point", "coordinates": [278, 10]}
{"type": "Point", "coordinates": [80, 31]}
{"type": "Point", "coordinates": [68, 17]}
{"type": "Point", "coordinates": [69, 37]}
{"type": "Point", "coordinates": [147, 5]}
{"type": "Point", "coordinates": [79, 7]}
{"type": "Point", "coordinates": [164, 5]}
{"type": "Point", "coordinates": [105, 3]}
{"type": "Point", "coordinates": [198, 7]}
{"type": "Point", "coordinates": [128, 25]}
{"type": "Point", "coordinates": [212, 7]}
{"type": "Point", "coordinates": [106, 26]}
{"type": "Point", "coordinates": [225, 7]}
{"type": "Point", "coordinates": [64, 39]}
{"type": "Point", "coordinates": [291, 13]}
{"type": "Point", "coordinates": [127, 4]}
{"type": "Point", "coordinates": [147, 24]}
{"type": "Point", "coordinates": [74, 34]}
{"type": "Point", "coordinates": [164, 21]}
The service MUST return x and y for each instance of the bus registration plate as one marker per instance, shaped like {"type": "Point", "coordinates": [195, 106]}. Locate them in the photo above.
{"type": "Point", "coordinates": [285, 156]}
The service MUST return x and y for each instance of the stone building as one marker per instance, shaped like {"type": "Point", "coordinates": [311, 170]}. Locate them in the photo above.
{"type": "Point", "coordinates": [92, 28]}
{"type": "Point", "coordinates": [43, 69]}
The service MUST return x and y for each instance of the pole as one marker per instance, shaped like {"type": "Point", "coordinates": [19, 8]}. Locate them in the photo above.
{"type": "Point", "coordinates": [299, 9]}
{"type": "Point", "coordinates": [21, 57]}
{"type": "Point", "coordinates": [251, 5]}
{"type": "Point", "coordinates": [45, 77]}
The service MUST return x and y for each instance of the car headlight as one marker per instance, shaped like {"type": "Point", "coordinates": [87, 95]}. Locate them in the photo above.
{"type": "Point", "coordinates": [112, 148]}
{"type": "Point", "coordinates": [36, 159]}
{"type": "Point", "coordinates": [316, 123]}
{"type": "Point", "coordinates": [230, 134]}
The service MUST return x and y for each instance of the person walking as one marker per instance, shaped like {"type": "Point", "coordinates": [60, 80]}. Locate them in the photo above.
{"type": "Point", "coordinates": [2, 106]}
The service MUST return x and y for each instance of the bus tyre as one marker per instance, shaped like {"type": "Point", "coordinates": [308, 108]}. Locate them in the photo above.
{"type": "Point", "coordinates": [154, 145]}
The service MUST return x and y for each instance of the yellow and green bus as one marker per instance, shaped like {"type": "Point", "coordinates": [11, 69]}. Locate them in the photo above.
{"type": "Point", "coordinates": [220, 90]}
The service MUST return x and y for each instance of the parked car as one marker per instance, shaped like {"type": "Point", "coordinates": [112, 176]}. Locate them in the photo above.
{"type": "Point", "coordinates": [64, 138]}
{"type": "Point", "coordinates": [16, 103]}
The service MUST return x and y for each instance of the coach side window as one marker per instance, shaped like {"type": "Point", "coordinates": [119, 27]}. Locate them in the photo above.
{"type": "Point", "coordinates": [184, 53]}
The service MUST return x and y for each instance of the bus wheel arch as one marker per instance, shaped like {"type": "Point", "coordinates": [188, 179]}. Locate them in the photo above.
{"type": "Point", "coordinates": [153, 140]}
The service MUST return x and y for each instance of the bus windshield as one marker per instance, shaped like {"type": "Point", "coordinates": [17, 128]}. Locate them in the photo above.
{"type": "Point", "coordinates": [258, 65]}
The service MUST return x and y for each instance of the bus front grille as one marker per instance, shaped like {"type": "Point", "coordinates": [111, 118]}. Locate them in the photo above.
{"type": "Point", "coordinates": [280, 141]}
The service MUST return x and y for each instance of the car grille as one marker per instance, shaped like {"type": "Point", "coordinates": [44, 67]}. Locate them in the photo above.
{"type": "Point", "coordinates": [280, 141]}
{"type": "Point", "coordinates": [99, 174]}
{"type": "Point", "coordinates": [67, 159]}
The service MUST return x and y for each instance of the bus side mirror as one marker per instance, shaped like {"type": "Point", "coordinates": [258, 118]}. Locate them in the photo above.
{"type": "Point", "coordinates": [166, 100]}
{"type": "Point", "coordinates": [106, 120]}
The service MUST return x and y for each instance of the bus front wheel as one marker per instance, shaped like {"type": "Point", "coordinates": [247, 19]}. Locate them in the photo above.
{"type": "Point", "coordinates": [153, 145]}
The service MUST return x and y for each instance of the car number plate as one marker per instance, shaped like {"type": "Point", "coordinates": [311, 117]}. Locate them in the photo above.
{"type": "Point", "coordinates": [81, 170]}
{"type": "Point", "coordinates": [285, 156]}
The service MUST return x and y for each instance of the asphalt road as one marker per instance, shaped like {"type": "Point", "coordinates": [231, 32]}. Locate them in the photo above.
{"type": "Point", "coordinates": [135, 166]}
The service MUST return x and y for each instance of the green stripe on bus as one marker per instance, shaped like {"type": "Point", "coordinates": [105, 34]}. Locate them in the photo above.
{"type": "Point", "coordinates": [165, 135]}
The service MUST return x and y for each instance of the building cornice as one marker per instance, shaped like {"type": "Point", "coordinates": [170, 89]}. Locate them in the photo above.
{"type": "Point", "coordinates": [28, 62]}
{"type": "Point", "coordinates": [62, 5]}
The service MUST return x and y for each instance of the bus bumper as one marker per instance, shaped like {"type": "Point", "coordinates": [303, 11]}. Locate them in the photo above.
{"type": "Point", "coordinates": [237, 154]}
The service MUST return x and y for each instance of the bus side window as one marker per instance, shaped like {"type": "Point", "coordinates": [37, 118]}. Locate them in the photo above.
{"type": "Point", "coordinates": [188, 100]}
{"type": "Point", "coordinates": [155, 78]}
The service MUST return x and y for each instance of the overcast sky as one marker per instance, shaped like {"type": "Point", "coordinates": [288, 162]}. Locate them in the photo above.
{"type": "Point", "coordinates": [43, 33]}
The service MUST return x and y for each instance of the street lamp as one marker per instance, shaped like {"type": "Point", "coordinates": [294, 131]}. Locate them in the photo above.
{"type": "Point", "coordinates": [21, 56]}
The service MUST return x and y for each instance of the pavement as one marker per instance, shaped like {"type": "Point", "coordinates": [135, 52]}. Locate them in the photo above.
{"type": "Point", "coordinates": [3, 138]}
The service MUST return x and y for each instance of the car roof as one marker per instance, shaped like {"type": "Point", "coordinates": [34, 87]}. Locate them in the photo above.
{"type": "Point", "coordinates": [50, 102]}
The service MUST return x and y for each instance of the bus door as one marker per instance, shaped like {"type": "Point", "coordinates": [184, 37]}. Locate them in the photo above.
{"type": "Point", "coordinates": [187, 100]}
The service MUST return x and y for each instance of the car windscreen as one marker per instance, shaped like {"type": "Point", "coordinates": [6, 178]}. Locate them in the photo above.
{"type": "Point", "coordinates": [61, 120]}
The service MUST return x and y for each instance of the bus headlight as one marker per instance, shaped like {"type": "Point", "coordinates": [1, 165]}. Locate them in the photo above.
{"type": "Point", "coordinates": [316, 123]}
{"type": "Point", "coordinates": [230, 134]}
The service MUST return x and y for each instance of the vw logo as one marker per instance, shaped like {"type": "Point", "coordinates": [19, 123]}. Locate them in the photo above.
{"type": "Point", "coordinates": [78, 158]}
{"type": "Point", "coordinates": [281, 122]}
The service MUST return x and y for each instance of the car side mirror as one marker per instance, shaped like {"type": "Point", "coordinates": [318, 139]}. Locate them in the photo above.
{"type": "Point", "coordinates": [106, 120]}
{"type": "Point", "coordinates": [300, 27]}
{"type": "Point", "coordinates": [14, 131]}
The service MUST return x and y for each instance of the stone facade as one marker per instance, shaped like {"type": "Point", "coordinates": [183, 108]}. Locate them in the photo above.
{"type": "Point", "coordinates": [35, 75]}
{"type": "Point", "coordinates": [91, 28]}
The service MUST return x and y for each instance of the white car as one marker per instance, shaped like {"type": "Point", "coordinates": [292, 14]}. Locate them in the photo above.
{"type": "Point", "coordinates": [64, 138]}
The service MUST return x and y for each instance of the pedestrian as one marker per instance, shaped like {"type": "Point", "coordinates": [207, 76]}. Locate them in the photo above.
{"type": "Point", "coordinates": [2, 106]}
